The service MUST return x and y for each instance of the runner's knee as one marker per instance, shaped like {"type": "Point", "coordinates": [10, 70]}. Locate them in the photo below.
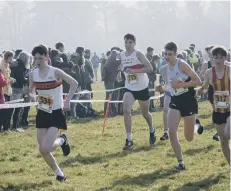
{"type": "Point", "coordinates": [189, 138]}
{"type": "Point", "coordinates": [44, 149]}
{"type": "Point", "coordinates": [126, 110]}
{"type": "Point", "coordinates": [146, 114]}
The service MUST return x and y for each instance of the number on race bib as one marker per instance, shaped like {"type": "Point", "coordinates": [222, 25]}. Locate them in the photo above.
{"type": "Point", "coordinates": [132, 78]}
{"type": "Point", "coordinates": [180, 91]}
{"type": "Point", "coordinates": [45, 103]}
{"type": "Point", "coordinates": [222, 99]}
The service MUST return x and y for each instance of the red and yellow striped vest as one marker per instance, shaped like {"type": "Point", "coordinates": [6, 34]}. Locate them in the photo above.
{"type": "Point", "coordinates": [221, 91]}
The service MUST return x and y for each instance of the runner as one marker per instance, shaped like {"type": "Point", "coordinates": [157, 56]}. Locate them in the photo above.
{"type": "Point", "coordinates": [181, 80]}
{"type": "Point", "coordinates": [219, 76]}
{"type": "Point", "coordinates": [135, 65]}
{"type": "Point", "coordinates": [167, 100]}
{"type": "Point", "coordinates": [205, 66]}
{"type": "Point", "coordinates": [47, 81]}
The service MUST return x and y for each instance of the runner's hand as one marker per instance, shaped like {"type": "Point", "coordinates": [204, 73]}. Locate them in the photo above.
{"type": "Point", "coordinates": [176, 84]}
{"type": "Point", "coordinates": [31, 97]}
{"type": "Point", "coordinates": [159, 88]}
{"type": "Point", "coordinates": [66, 105]}
{"type": "Point", "coordinates": [12, 80]}
{"type": "Point", "coordinates": [202, 91]}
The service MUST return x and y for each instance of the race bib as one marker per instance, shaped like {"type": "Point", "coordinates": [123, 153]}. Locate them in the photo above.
{"type": "Point", "coordinates": [180, 91]}
{"type": "Point", "coordinates": [222, 99]}
{"type": "Point", "coordinates": [132, 78]}
{"type": "Point", "coordinates": [45, 103]}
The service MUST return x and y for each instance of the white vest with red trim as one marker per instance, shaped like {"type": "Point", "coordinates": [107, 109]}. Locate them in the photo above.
{"type": "Point", "coordinates": [49, 89]}
{"type": "Point", "coordinates": [134, 82]}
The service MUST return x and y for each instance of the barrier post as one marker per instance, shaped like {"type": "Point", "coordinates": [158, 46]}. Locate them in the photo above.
{"type": "Point", "coordinates": [106, 113]}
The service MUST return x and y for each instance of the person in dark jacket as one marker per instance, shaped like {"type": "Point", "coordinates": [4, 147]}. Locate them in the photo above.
{"type": "Point", "coordinates": [66, 87]}
{"type": "Point", "coordinates": [55, 59]}
{"type": "Point", "coordinates": [18, 72]}
{"type": "Point", "coordinates": [109, 76]}
{"type": "Point", "coordinates": [88, 72]}
{"type": "Point", "coordinates": [78, 60]}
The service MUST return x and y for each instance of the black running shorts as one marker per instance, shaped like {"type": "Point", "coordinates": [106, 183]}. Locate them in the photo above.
{"type": "Point", "coordinates": [55, 119]}
{"type": "Point", "coordinates": [142, 95]}
{"type": "Point", "coordinates": [186, 107]}
{"type": "Point", "coordinates": [220, 118]}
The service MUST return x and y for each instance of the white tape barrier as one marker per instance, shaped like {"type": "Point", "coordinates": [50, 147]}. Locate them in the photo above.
{"type": "Point", "coordinates": [17, 105]}
{"type": "Point", "coordinates": [15, 101]}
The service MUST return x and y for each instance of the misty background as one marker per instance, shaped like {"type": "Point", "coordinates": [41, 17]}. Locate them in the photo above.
{"type": "Point", "coordinates": [103, 24]}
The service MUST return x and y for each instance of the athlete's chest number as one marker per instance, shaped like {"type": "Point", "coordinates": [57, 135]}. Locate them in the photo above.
{"type": "Point", "coordinates": [222, 99]}
{"type": "Point", "coordinates": [45, 103]}
{"type": "Point", "coordinates": [132, 78]}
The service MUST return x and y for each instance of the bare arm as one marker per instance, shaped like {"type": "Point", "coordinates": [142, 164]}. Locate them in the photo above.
{"type": "Point", "coordinates": [207, 79]}
{"type": "Point", "coordinates": [68, 79]}
{"type": "Point", "coordinates": [147, 65]}
{"type": "Point", "coordinates": [31, 87]}
{"type": "Point", "coordinates": [195, 80]}
{"type": "Point", "coordinates": [203, 69]}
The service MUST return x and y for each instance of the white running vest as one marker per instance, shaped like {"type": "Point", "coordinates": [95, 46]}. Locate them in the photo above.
{"type": "Point", "coordinates": [134, 82]}
{"type": "Point", "coordinates": [50, 91]}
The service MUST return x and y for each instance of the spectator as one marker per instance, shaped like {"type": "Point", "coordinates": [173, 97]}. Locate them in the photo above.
{"type": "Point", "coordinates": [95, 63]}
{"type": "Point", "coordinates": [88, 71]}
{"type": "Point", "coordinates": [152, 79]}
{"type": "Point", "coordinates": [7, 90]}
{"type": "Point", "coordinates": [17, 52]}
{"type": "Point", "coordinates": [18, 72]}
{"type": "Point", "coordinates": [55, 59]}
{"type": "Point", "coordinates": [66, 88]}
{"type": "Point", "coordinates": [109, 75]}
{"type": "Point", "coordinates": [102, 61]}
{"type": "Point", "coordinates": [3, 83]}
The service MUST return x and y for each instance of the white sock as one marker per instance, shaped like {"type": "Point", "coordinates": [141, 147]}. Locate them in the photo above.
{"type": "Point", "coordinates": [151, 129]}
{"type": "Point", "coordinates": [129, 136]}
{"type": "Point", "coordinates": [181, 162]}
{"type": "Point", "coordinates": [59, 172]}
{"type": "Point", "coordinates": [196, 127]}
{"type": "Point", "coordinates": [166, 131]}
{"type": "Point", "coordinates": [62, 140]}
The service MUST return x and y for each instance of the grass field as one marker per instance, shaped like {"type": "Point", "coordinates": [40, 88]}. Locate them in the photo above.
{"type": "Point", "coordinates": [98, 163]}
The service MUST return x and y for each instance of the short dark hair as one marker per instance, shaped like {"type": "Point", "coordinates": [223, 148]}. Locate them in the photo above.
{"type": "Point", "coordinates": [59, 45]}
{"type": "Point", "coordinates": [149, 49]}
{"type": "Point", "coordinates": [17, 52]}
{"type": "Point", "coordinates": [130, 37]}
{"type": "Point", "coordinates": [108, 53]}
{"type": "Point", "coordinates": [40, 49]}
{"type": "Point", "coordinates": [8, 54]}
{"type": "Point", "coordinates": [171, 46]}
{"type": "Point", "coordinates": [115, 48]}
{"type": "Point", "coordinates": [193, 45]}
{"type": "Point", "coordinates": [219, 50]}
{"type": "Point", "coordinates": [207, 48]}
{"type": "Point", "coordinates": [54, 53]}
{"type": "Point", "coordinates": [79, 49]}
{"type": "Point", "coordinates": [180, 55]}
{"type": "Point", "coordinates": [191, 48]}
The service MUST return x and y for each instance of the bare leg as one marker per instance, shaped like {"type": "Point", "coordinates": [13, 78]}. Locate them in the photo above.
{"type": "Point", "coordinates": [173, 121]}
{"type": "Point", "coordinates": [227, 128]}
{"type": "Point", "coordinates": [224, 141]}
{"type": "Point", "coordinates": [128, 101]}
{"type": "Point", "coordinates": [189, 127]}
{"type": "Point", "coordinates": [47, 144]}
